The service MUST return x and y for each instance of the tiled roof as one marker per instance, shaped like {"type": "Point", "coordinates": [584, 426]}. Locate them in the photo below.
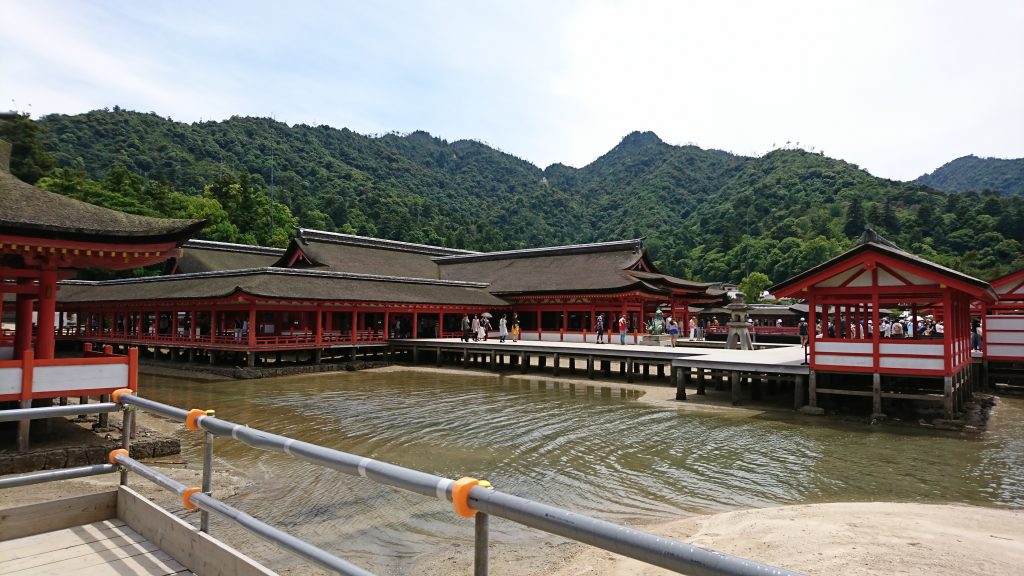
{"type": "Point", "coordinates": [280, 283]}
{"type": "Point", "coordinates": [27, 210]}
{"type": "Point", "coordinates": [209, 256]}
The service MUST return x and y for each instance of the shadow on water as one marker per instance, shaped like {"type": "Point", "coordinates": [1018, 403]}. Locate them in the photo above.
{"type": "Point", "coordinates": [589, 448]}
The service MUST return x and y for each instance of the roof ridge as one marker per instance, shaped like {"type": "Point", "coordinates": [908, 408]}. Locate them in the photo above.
{"type": "Point", "coordinates": [280, 271]}
{"type": "Point", "coordinates": [635, 244]}
{"type": "Point", "coordinates": [232, 247]}
{"type": "Point", "coordinates": [306, 234]}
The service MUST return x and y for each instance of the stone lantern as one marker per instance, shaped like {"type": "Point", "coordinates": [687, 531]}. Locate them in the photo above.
{"type": "Point", "coordinates": [739, 330]}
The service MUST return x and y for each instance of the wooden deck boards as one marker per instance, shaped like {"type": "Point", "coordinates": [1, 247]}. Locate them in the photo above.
{"type": "Point", "coordinates": [108, 547]}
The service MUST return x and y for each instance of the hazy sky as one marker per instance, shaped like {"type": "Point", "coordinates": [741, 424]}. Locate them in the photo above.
{"type": "Point", "coordinates": [896, 87]}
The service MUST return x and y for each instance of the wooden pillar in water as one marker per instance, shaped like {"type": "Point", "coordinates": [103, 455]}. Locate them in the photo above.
{"type": "Point", "coordinates": [590, 367]}
{"type": "Point", "coordinates": [681, 378]}
{"type": "Point", "coordinates": [734, 378]}
{"type": "Point", "coordinates": [798, 391]}
{"type": "Point", "coordinates": [572, 365]}
{"type": "Point", "coordinates": [629, 369]}
{"type": "Point", "coordinates": [701, 382]}
{"type": "Point", "coordinates": [647, 370]}
{"type": "Point", "coordinates": [812, 391]}
{"type": "Point", "coordinates": [661, 370]}
{"type": "Point", "coordinates": [524, 361]}
{"type": "Point", "coordinates": [876, 393]}
{"type": "Point", "coordinates": [494, 360]}
{"type": "Point", "coordinates": [948, 396]}
{"type": "Point", "coordinates": [557, 364]}
{"type": "Point", "coordinates": [465, 357]}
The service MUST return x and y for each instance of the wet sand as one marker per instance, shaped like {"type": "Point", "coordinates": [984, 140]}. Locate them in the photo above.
{"type": "Point", "coordinates": [855, 539]}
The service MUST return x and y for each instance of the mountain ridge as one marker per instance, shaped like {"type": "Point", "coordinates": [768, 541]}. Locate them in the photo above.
{"type": "Point", "coordinates": [707, 214]}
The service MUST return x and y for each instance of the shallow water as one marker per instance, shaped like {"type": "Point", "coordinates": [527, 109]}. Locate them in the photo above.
{"type": "Point", "coordinates": [592, 449]}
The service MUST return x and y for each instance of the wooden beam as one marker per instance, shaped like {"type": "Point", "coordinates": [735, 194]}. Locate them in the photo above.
{"type": "Point", "coordinates": [196, 550]}
{"type": "Point", "coordinates": [30, 519]}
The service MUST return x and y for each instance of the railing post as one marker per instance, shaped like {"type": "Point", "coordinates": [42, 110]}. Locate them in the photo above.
{"type": "Point", "coordinates": [481, 531]}
{"type": "Point", "coordinates": [204, 516]}
{"type": "Point", "coordinates": [127, 423]}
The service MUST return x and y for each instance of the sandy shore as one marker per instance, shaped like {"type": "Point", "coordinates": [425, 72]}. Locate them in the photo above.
{"type": "Point", "coordinates": [839, 538]}
{"type": "Point", "coordinates": [854, 539]}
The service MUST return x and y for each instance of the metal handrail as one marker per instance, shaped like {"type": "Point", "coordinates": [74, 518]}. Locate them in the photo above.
{"type": "Point", "coordinates": [469, 496]}
{"type": "Point", "coordinates": [54, 475]}
{"type": "Point", "coordinates": [56, 411]}
{"type": "Point", "coordinates": [262, 529]}
{"type": "Point", "coordinates": [656, 550]}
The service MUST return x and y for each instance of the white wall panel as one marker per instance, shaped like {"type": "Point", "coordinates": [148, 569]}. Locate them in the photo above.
{"type": "Point", "coordinates": [59, 378]}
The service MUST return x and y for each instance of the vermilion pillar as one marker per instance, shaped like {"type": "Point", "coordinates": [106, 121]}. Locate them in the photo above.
{"type": "Point", "coordinates": [47, 311]}
{"type": "Point", "coordinates": [23, 321]}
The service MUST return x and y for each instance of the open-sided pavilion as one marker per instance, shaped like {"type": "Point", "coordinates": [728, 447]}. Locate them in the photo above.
{"type": "Point", "coordinates": [45, 237]}
{"type": "Point", "coordinates": [850, 290]}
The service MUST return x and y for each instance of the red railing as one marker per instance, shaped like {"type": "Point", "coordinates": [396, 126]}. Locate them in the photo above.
{"type": "Point", "coordinates": [30, 378]}
{"type": "Point", "coordinates": [754, 329]}
{"type": "Point", "coordinates": [228, 338]}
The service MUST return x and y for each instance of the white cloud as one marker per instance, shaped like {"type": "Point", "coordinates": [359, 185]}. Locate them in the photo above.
{"type": "Point", "coordinates": [896, 87]}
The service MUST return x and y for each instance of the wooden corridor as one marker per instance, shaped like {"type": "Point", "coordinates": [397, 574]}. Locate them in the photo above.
{"type": "Point", "coordinates": [116, 533]}
{"type": "Point", "coordinates": [96, 549]}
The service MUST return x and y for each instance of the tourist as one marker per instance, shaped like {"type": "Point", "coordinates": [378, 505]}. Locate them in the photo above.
{"type": "Point", "coordinates": [673, 331]}
{"type": "Point", "coordinates": [502, 328]}
{"type": "Point", "coordinates": [975, 334]}
{"type": "Point", "coordinates": [475, 326]}
{"type": "Point", "coordinates": [693, 329]}
{"type": "Point", "coordinates": [599, 328]}
{"type": "Point", "coordinates": [465, 327]}
{"type": "Point", "coordinates": [622, 329]}
{"type": "Point", "coordinates": [515, 327]}
{"type": "Point", "coordinates": [802, 329]}
{"type": "Point", "coordinates": [897, 329]}
{"type": "Point", "coordinates": [485, 327]}
{"type": "Point", "coordinates": [778, 322]}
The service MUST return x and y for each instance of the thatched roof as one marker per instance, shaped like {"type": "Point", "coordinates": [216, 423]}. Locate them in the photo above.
{"type": "Point", "coordinates": [279, 283]}
{"type": "Point", "coordinates": [871, 241]}
{"type": "Point", "coordinates": [208, 256]}
{"type": "Point", "coordinates": [364, 255]}
{"type": "Point", "coordinates": [30, 211]}
{"type": "Point", "coordinates": [605, 266]}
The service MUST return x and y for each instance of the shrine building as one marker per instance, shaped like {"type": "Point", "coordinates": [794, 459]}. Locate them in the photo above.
{"type": "Point", "coordinates": [47, 237]}
{"type": "Point", "coordinates": [849, 356]}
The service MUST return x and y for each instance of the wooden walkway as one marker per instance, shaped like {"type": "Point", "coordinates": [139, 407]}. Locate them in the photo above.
{"type": "Point", "coordinates": [687, 365]}
{"type": "Point", "coordinates": [97, 549]}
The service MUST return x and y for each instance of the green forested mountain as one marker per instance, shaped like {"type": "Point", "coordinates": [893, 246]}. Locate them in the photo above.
{"type": "Point", "coordinates": [971, 173]}
{"type": "Point", "coordinates": [706, 214]}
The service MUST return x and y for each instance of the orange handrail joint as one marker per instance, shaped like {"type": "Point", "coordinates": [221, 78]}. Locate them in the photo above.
{"type": "Point", "coordinates": [112, 456]}
{"type": "Point", "coordinates": [116, 394]}
{"type": "Point", "coordinates": [191, 421]}
{"type": "Point", "coordinates": [186, 497]}
{"type": "Point", "coordinates": [460, 496]}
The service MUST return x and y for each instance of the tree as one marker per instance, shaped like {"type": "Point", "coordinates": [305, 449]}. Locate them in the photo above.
{"type": "Point", "coordinates": [855, 220]}
{"type": "Point", "coordinates": [753, 285]}
{"type": "Point", "coordinates": [30, 160]}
